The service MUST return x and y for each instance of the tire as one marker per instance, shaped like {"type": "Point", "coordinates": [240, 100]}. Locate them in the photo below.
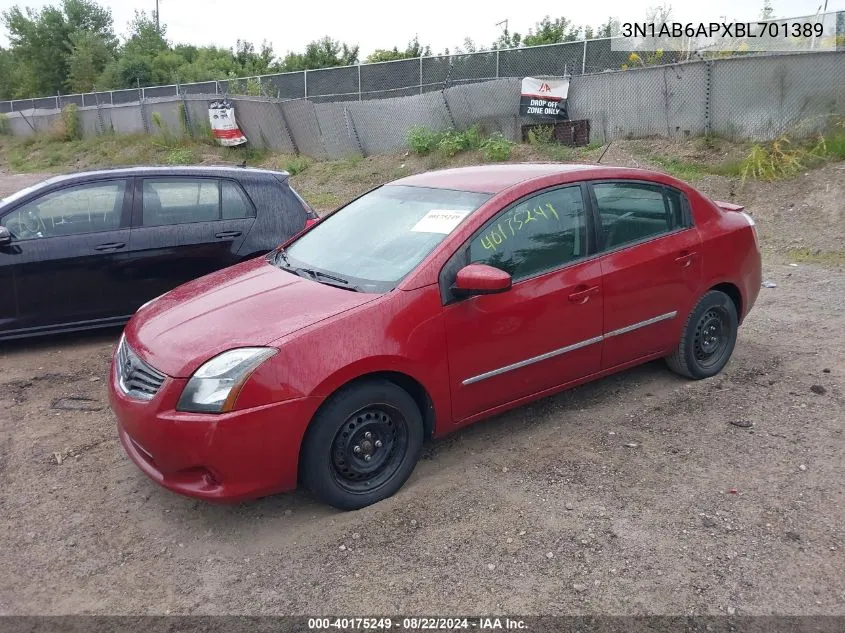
{"type": "Point", "coordinates": [708, 338]}
{"type": "Point", "coordinates": [375, 419]}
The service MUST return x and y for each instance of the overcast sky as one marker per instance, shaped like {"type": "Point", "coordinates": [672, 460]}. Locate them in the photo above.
{"type": "Point", "coordinates": [376, 24]}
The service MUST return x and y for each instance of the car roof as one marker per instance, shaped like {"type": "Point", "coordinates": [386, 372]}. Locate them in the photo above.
{"type": "Point", "coordinates": [164, 170]}
{"type": "Point", "coordinates": [497, 178]}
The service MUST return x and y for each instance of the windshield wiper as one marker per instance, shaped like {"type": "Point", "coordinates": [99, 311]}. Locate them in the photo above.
{"type": "Point", "coordinates": [280, 253]}
{"type": "Point", "coordinates": [314, 275]}
{"type": "Point", "coordinates": [331, 280]}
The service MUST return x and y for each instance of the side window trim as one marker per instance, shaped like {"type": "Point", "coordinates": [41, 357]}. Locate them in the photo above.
{"type": "Point", "coordinates": [596, 216]}
{"type": "Point", "coordinates": [126, 205]}
{"type": "Point", "coordinates": [460, 257]}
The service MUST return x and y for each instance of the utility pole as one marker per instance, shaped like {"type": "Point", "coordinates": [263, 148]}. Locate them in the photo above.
{"type": "Point", "coordinates": [158, 22]}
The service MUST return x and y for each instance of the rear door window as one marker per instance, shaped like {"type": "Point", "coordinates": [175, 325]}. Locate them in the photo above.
{"type": "Point", "coordinates": [177, 200]}
{"type": "Point", "coordinates": [635, 212]}
{"type": "Point", "coordinates": [234, 202]}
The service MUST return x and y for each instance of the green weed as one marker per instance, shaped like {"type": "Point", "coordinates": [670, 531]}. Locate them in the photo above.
{"type": "Point", "coordinates": [181, 156]}
{"type": "Point", "coordinates": [422, 141]}
{"type": "Point", "coordinates": [296, 165]}
{"type": "Point", "coordinates": [497, 148]}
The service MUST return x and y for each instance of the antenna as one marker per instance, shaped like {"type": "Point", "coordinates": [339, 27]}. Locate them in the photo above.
{"type": "Point", "coordinates": [605, 151]}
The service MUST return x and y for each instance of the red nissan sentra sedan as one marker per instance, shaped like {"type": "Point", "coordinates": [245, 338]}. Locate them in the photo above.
{"type": "Point", "coordinates": [418, 308]}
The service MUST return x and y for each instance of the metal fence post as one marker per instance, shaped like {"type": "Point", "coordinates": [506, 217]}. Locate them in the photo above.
{"type": "Point", "coordinates": [708, 100]}
{"type": "Point", "coordinates": [584, 60]}
{"type": "Point", "coordinates": [421, 74]}
{"type": "Point", "coordinates": [359, 82]}
{"type": "Point", "coordinates": [305, 80]}
{"type": "Point", "coordinates": [497, 63]}
{"type": "Point", "coordinates": [58, 102]}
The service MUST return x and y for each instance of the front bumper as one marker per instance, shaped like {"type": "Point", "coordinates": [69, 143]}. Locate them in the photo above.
{"type": "Point", "coordinates": [228, 457]}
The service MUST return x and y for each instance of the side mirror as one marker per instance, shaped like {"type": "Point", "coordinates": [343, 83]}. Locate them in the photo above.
{"type": "Point", "coordinates": [5, 236]}
{"type": "Point", "coordinates": [481, 279]}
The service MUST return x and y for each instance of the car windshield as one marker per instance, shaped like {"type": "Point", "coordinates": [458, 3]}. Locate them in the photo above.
{"type": "Point", "coordinates": [376, 240]}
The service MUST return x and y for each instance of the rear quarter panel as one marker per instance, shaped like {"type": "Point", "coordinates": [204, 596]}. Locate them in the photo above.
{"type": "Point", "coordinates": [279, 216]}
{"type": "Point", "coordinates": [730, 253]}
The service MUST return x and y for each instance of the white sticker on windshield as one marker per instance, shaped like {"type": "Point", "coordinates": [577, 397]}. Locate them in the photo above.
{"type": "Point", "coordinates": [439, 221]}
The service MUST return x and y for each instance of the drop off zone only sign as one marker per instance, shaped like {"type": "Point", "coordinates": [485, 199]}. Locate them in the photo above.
{"type": "Point", "coordinates": [544, 98]}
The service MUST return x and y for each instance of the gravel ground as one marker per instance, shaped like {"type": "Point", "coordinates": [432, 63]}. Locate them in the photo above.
{"type": "Point", "coordinates": [640, 493]}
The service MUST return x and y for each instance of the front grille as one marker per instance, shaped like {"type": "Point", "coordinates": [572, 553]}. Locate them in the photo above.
{"type": "Point", "coordinates": [137, 379]}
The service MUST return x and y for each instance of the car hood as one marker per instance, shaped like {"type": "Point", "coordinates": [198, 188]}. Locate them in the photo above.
{"type": "Point", "coordinates": [250, 304]}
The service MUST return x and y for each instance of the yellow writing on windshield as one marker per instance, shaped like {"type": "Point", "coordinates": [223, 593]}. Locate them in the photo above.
{"type": "Point", "coordinates": [514, 222]}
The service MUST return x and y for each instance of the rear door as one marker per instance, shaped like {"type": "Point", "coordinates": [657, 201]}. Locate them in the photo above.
{"type": "Point", "coordinates": [67, 254]}
{"type": "Point", "coordinates": [651, 267]}
{"type": "Point", "coordinates": [184, 227]}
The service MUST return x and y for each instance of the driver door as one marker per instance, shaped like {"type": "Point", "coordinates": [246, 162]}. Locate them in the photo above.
{"type": "Point", "coordinates": [543, 332]}
{"type": "Point", "coordinates": [66, 255]}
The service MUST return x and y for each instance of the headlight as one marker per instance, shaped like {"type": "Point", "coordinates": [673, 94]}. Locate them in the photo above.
{"type": "Point", "coordinates": [215, 386]}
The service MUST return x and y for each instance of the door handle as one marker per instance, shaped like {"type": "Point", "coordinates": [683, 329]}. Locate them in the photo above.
{"type": "Point", "coordinates": [113, 246]}
{"type": "Point", "coordinates": [582, 296]}
{"type": "Point", "coordinates": [685, 259]}
{"type": "Point", "coordinates": [225, 234]}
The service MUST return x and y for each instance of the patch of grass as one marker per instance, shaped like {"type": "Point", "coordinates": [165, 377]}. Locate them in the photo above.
{"type": "Point", "coordinates": [816, 256]}
{"type": "Point", "coordinates": [559, 153]}
{"type": "Point", "coordinates": [683, 170]}
{"type": "Point", "coordinates": [422, 141]}
{"type": "Point", "coordinates": [541, 135]}
{"type": "Point", "coordinates": [249, 153]}
{"type": "Point", "coordinates": [321, 200]}
{"type": "Point", "coordinates": [497, 148]}
{"type": "Point", "coordinates": [453, 142]}
{"type": "Point", "coordinates": [70, 123]}
{"type": "Point", "coordinates": [695, 170]}
{"type": "Point", "coordinates": [5, 130]}
{"type": "Point", "coordinates": [181, 156]}
{"type": "Point", "coordinates": [296, 165]}
{"type": "Point", "coordinates": [774, 161]}
{"type": "Point", "coordinates": [784, 158]}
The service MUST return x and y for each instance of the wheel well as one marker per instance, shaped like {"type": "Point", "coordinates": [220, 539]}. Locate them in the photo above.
{"type": "Point", "coordinates": [733, 292]}
{"type": "Point", "coordinates": [403, 381]}
{"type": "Point", "coordinates": [409, 384]}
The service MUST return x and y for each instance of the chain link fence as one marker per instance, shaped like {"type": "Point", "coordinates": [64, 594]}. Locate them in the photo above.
{"type": "Point", "coordinates": [382, 80]}
{"type": "Point", "coordinates": [386, 80]}
{"type": "Point", "coordinates": [757, 97]}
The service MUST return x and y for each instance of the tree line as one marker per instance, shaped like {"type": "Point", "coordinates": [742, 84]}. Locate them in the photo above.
{"type": "Point", "coordinates": [72, 47]}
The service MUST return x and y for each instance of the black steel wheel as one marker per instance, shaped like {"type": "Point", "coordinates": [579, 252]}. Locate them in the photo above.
{"type": "Point", "coordinates": [369, 447]}
{"type": "Point", "coordinates": [362, 445]}
{"type": "Point", "coordinates": [708, 338]}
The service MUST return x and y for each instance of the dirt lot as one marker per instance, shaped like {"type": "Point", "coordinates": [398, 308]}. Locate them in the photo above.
{"type": "Point", "coordinates": [635, 494]}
